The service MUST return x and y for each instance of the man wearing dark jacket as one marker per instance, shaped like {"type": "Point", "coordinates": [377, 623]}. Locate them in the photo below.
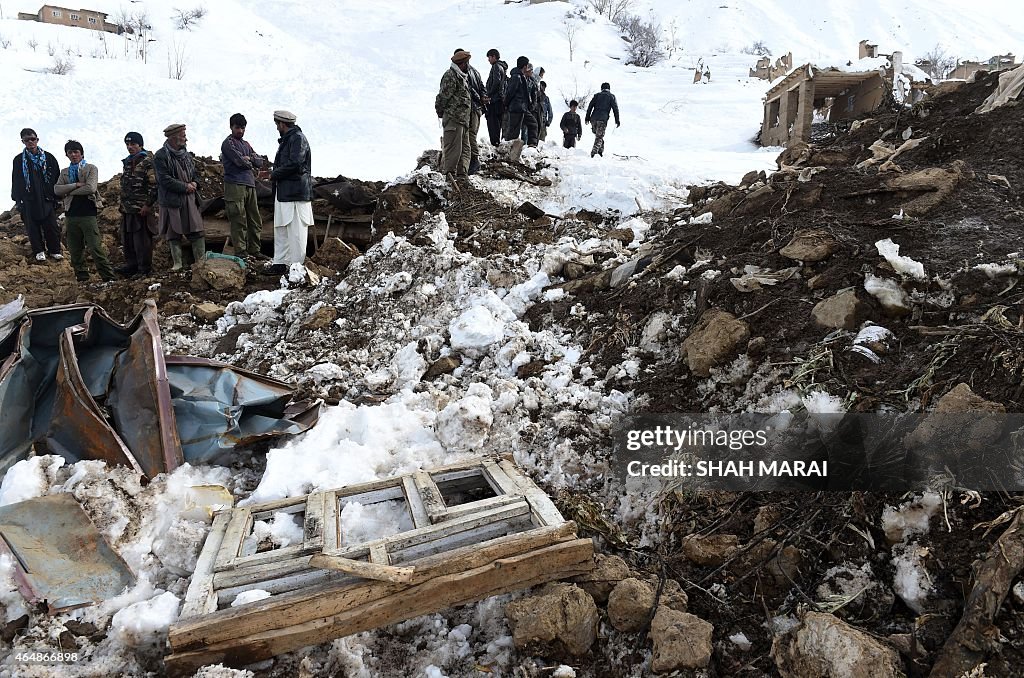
{"type": "Point", "coordinates": [519, 105]}
{"type": "Point", "coordinates": [35, 173]}
{"type": "Point", "coordinates": [239, 160]}
{"type": "Point", "coordinates": [598, 111]}
{"type": "Point", "coordinates": [138, 196]}
{"type": "Point", "coordinates": [494, 95]}
{"type": "Point", "coordinates": [572, 128]}
{"type": "Point", "coordinates": [178, 195]}
{"type": "Point", "coordinates": [293, 194]}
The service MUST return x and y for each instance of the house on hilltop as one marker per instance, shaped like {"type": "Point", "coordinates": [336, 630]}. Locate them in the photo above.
{"type": "Point", "coordinates": [62, 16]}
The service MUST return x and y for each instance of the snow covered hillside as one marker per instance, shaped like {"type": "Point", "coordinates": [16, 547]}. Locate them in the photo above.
{"type": "Point", "coordinates": [362, 76]}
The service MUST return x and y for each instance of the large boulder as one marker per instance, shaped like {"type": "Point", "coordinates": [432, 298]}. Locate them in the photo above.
{"type": "Point", "coordinates": [559, 620]}
{"type": "Point", "coordinates": [717, 337]}
{"type": "Point", "coordinates": [824, 646]}
{"type": "Point", "coordinates": [681, 641]}
{"type": "Point", "coordinates": [711, 550]}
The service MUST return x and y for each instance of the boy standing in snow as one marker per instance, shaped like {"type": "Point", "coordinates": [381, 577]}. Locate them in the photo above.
{"type": "Point", "coordinates": [518, 104]}
{"type": "Point", "coordinates": [240, 189]}
{"type": "Point", "coordinates": [572, 128]}
{"type": "Point", "coordinates": [35, 173]}
{"type": "Point", "coordinates": [78, 186]}
{"type": "Point", "coordinates": [600, 107]}
{"type": "Point", "coordinates": [293, 194]}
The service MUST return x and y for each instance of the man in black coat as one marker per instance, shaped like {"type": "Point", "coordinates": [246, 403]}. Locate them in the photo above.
{"type": "Point", "coordinates": [494, 92]}
{"type": "Point", "coordinates": [600, 107]}
{"type": "Point", "coordinates": [519, 104]}
{"type": "Point", "coordinates": [34, 174]}
{"type": "Point", "coordinates": [572, 128]}
{"type": "Point", "coordinates": [293, 194]}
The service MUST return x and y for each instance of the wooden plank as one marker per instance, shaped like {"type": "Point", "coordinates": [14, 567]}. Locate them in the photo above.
{"type": "Point", "coordinates": [271, 556]}
{"type": "Point", "coordinates": [332, 521]}
{"type": "Point", "coordinates": [373, 496]}
{"type": "Point", "coordinates": [463, 524]}
{"type": "Point", "coordinates": [476, 536]}
{"type": "Point", "coordinates": [231, 545]}
{"type": "Point", "coordinates": [499, 480]}
{"type": "Point", "coordinates": [332, 598]}
{"type": "Point", "coordinates": [483, 504]}
{"type": "Point", "coordinates": [544, 509]}
{"type": "Point", "coordinates": [201, 597]}
{"type": "Point", "coordinates": [286, 505]}
{"type": "Point", "coordinates": [430, 495]}
{"type": "Point", "coordinates": [313, 522]}
{"type": "Point", "coordinates": [379, 554]}
{"type": "Point", "coordinates": [416, 508]}
{"type": "Point", "coordinates": [450, 476]}
{"type": "Point", "coordinates": [362, 569]}
{"type": "Point", "coordinates": [289, 627]}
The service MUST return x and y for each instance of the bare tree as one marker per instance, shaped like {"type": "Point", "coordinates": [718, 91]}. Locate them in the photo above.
{"type": "Point", "coordinates": [61, 66]}
{"type": "Point", "coordinates": [187, 19]}
{"type": "Point", "coordinates": [581, 97]}
{"type": "Point", "coordinates": [177, 59]}
{"type": "Point", "coordinates": [613, 9]}
{"type": "Point", "coordinates": [4, 42]}
{"type": "Point", "coordinates": [757, 47]}
{"type": "Point", "coordinates": [51, 50]}
{"type": "Point", "coordinates": [33, 43]}
{"type": "Point", "coordinates": [672, 44]}
{"type": "Point", "coordinates": [569, 29]}
{"type": "Point", "coordinates": [937, 63]}
{"type": "Point", "coordinates": [643, 38]}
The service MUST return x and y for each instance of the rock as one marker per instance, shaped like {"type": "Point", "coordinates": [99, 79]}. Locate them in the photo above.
{"type": "Point", "coordinates": [445, 365]}
{"type": "Point", "coordinates": [80, 628]}
{"type": "Point", "coordinates": [207, 311]}
{"type": "Point", "coordinates": [574, 271]}
{"type": "Point", "coordinates": [560, 619]}
{"type": "Point", "coordinates": [673, 596]}
{"type": "Point", "coordinates": [9, 631]}
{"type": "Point", "coordinates": [630, 605]}
{"type": "Point", "coordinates": [962, 399]}
{"type": "Point", "coordinates": [541, 222]}
{"type": "Point", "coordinates": [530, 210]}
{"type": "Point", "coordinates": [749, 178]}
{"type": "Point", "coordinates": [810, 246]}
{"type": "Point", "coordinates": [600, 581]}
{"type": "Point", "coordinates": [67, 642]}
{"type": "Point", "coordinates": [681, 641]}
{"type": "Point", "coordinates": [757, 346]}
{"type": "Point", "coordinates": [335, 254]}
{"type": "Point", "coordinates": [825, 646]}
{"type": "Point", "coordinates": [863, 595]}
{"type": "Point", "coordinates": [841, 310]}
{"type": "Point", "coordinates": [623, 235]}
{"type": "Point", "coordinates": [711, 550]}
{"type": "Point", "coordinates": [716, 337]}
{"type": "Point", "coordinates": [321, 318]}
{"type": "Point", "coordinates": [530, 369]}
{"type": "Point", "coordinates": [766, 517]}
{"type": "Point", "coordinates": [219, 274]}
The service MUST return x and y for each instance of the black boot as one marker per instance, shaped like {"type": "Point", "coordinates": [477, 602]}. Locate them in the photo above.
{"type": "Point", "coordinates": [474, 165]}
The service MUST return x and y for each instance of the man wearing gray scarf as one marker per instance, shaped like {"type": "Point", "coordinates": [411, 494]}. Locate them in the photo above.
{"type": "Point", "coordinates": [177, 194]}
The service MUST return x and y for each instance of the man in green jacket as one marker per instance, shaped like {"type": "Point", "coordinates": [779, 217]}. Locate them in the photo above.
{"type": "Point", "coordinates": [78, 186]}
{"type": "Point", "coordinates": [453, 105]}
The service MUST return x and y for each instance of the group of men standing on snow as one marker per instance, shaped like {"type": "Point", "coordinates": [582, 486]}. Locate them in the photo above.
{"type": "Point", "coordinates": [160, 196]}
{"type": "Point", "coordinates": [515, 105]}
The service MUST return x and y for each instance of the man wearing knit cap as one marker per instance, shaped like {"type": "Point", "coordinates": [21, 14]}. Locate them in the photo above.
{"type": "Point", "coordinates": [454, 106]}
{"type": "Point", "coordinates": [138, 219]}
{"type": "Point", "coordinates": [293, 194]}
{"type": "Point", "coordinates": [177, 192]}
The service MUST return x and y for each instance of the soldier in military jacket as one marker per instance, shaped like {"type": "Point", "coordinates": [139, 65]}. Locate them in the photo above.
{"type": "Point", "coordinates": [138, 196]}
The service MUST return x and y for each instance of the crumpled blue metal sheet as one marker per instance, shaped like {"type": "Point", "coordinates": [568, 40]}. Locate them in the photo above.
{"type": "Point", "coordinates": [61, 559]}
{"type": "Point", "coordinates": [86, 387]}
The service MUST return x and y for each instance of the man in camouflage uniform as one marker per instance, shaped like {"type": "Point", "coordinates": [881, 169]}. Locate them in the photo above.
{"type": "Point", "coordinates": [453, 105]}
{"type": "Point", "coordinates": [138, 195]}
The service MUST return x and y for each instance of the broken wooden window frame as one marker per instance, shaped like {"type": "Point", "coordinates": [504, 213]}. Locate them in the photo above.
{"type": "Point", "coordinates": [321, 589]}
